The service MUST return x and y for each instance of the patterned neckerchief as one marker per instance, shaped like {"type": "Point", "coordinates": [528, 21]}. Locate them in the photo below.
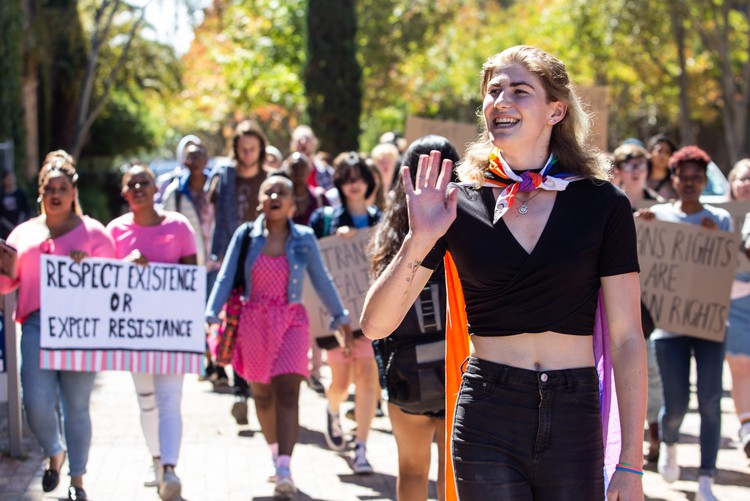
{"type": "Point", "coordinates": [500, 175]}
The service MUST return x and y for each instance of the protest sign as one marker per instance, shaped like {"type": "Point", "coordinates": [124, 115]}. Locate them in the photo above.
{"type": "Point", "coordinates": [686, 276]}
{"type": "Point", "coordinates": [105, 314]}
{"type": "Point", "coordinates": [595, 101]}
{"type": "Point", "coordinates": [348, 264]}
{"type": "Point", "coordinates": [7, 259]}
{"type": "Point", "coordinates": [738, 211]}
{"type": "Point", "coordinates": [458, 133]}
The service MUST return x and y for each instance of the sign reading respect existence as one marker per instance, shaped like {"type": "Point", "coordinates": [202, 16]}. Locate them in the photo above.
{"type": "Point", "coordinates": [686, 276]}
{"type": "Point", "coordinates": [349, 265]}
{"type": "Point", "coordinates": [106, 314]}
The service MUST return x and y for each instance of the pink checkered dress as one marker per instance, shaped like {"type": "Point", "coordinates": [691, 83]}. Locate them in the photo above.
{"type": "Point", "coordinates": [274, 335]}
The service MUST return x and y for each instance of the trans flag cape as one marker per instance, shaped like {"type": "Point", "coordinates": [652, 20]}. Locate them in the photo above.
{"type": "Point", "coordinates": [457, 349]}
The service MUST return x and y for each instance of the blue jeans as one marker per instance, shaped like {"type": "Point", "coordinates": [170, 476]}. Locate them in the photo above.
{"type": "Point", "coordinates": [41, 391]}
{"type": "Point", "coordinates": [673, 355]}
{"type": "Point", "coordinates": [522, 435]}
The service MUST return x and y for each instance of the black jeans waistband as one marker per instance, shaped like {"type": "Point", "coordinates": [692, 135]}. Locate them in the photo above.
{"type": "Point", "coordinates": [501, 374]}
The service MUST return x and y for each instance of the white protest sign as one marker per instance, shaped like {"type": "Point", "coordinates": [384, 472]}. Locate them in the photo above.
{"type": "Point", "coordinates": [106, 314]}
{"type": "Point", "coordinates": [686, 276]}
{"type": "Point", "coordinates": [349, 265]}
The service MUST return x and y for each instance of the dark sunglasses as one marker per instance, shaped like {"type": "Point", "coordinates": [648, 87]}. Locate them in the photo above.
{"type": "Point", "coordinates": [134, 185]}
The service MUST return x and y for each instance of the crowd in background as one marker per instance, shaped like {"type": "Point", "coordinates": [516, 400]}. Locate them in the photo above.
{"type": "Point", "coordinates": [285, 202]}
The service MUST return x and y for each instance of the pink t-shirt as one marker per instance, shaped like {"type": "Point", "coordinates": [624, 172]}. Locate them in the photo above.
{"type": "Point", "coordinates": [31, 240]}
{"type": "Point", "coordinates": [165, 243]}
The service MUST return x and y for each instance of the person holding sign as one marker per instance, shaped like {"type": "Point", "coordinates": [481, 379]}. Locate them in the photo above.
{"type": "Point", "coordinates": [145, 235]}
{"type": "Point", "coordinates": [631, 168]}
{"type": "Point", "coordinates": [60, 230]}
{"type": "Point", "coordinates": [354, 183]}
{"type": "Point", "coordinates": [537, 238]}
{"type": "Point", "coordinates": [738, 334]}
{"type": "Point", "coordinates": [674, 350]}
{"type": "Point", "coordinates": [273, 334]}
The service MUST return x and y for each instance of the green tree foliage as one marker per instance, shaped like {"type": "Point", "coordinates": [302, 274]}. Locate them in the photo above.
{"type": "Point", "coordinates": [11, 51]}
{"type": "Point", "coordinates": [57, 50]}
{"type": "Point", "coordinates": [246, 61]}
{"type": "Point", "coordinates": [674, 66]}
{"type": "Point", "coordinates": [332, 74]}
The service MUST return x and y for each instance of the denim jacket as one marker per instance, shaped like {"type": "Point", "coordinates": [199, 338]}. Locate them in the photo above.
{"type": "Point", "coordinates": [303, 254]}
{"type": "Point", "coordinates": [227, 218]}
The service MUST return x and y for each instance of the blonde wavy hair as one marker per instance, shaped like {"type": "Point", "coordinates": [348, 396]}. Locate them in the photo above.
{"type": "Point", "coordinates": [568, 140]}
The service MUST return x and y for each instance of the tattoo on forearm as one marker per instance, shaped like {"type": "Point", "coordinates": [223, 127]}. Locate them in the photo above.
{"type": "Point", "coordinates": [413, 267]}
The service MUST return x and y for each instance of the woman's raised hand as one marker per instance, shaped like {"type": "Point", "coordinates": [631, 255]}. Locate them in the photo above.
{"type": "Point", "coordinates": [430, 201]}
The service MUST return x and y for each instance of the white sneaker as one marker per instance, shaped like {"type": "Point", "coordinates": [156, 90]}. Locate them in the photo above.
{"type": "Point", "coordinates": [285, 488]}
{"type": "Point", "coordinates": [360, 465]}
{"type": "Point", "coordinates": [705, 483]}
{"type": "Point", "coordinates": [153, 477]}
{"type": "Point", "coordinates": [667, 465]}
{"type": "Point", "coordinates": [334, 435]}
{"type": "Point", "coordinates": [170, 486]}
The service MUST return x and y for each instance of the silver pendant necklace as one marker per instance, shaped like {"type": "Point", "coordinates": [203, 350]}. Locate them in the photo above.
{"type": "Point", "coordinates": [524, 208]}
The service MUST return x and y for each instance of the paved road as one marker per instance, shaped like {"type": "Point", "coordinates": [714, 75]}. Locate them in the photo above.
{"type": "Point", "coordinates": [223, 461]}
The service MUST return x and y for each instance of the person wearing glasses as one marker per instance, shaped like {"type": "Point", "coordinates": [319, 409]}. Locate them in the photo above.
{"type": "Point", "coordinates": [60, 230]}
{"type": "Point", "coordinates": [142, 236]}
{"type": "Point", "coordinates": [631, 163]}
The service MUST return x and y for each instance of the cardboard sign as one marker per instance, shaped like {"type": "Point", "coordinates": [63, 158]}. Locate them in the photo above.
{"type": "Point", "coordinates": [349, 265]}
{"type": "Point", "coordinates": [738, 211]}
{"type": "Point", "coordinates": [106, 314]}
{"type": "Point", "coordinates": [7, 260]}
{"type": "Point", "coordinates": [595, 101]}
{"type": "Point", "coordinates": [686, 276]}
{"type": "Point", "coordinates": [458, 133]}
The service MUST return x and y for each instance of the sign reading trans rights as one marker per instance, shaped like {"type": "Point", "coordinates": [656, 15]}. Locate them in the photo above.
{"type": "Point", "coordinates": [686, 276]}
{"type": "Point", "coordinates": [106, 314]}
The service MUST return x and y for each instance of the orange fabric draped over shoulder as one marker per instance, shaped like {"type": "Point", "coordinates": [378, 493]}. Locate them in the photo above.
{"type": "Point", "coordinates": [456, 351]}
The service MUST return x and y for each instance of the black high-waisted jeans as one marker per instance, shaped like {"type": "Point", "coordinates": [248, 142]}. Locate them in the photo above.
{"type": "Point", "coordinates": [526, 435]}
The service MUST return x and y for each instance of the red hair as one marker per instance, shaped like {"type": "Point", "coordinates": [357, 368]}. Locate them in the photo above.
{"type": "Point", "coordinates": [689, 154]}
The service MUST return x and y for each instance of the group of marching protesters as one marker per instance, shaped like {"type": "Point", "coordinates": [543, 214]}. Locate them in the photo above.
{"type": "Point", "coordinates": [505, 279]}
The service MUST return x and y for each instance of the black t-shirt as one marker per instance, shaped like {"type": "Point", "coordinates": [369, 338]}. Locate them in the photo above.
{"type": "Point", "coordinates": [590, 234]}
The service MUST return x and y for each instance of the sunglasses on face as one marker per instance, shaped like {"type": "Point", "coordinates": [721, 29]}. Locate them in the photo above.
{"type": "Point", "coordinates": [633, 165]}
{"type": "Point", "coordinates": [135, 185]}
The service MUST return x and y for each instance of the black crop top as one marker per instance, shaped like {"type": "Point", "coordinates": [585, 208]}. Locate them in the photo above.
{"type": "Point", "coordinates": [590, 234]}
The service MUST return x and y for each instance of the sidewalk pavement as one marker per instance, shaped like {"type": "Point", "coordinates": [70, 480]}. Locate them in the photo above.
{"type": "Point", "coordinates": [220, 460]}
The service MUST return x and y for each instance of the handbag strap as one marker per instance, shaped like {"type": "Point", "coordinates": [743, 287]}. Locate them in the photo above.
{"type": "Point", "coordinates": [239, 274]}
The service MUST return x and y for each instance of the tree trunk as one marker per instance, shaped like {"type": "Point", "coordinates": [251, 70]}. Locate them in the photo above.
{"type": "Point", "coordinates": [333, 75]}
{"type": "Point", "coordinates": [678, 26]}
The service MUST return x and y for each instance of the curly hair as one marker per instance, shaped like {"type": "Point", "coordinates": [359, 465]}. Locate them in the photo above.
{"type": "Point", "coordinates": [58, 161]}
{"type": "Point", "coordinates": [568, 140]}
{"type": "Point", "coordinates": [390, 232]}
{"type": "Point", "coordinates": [689, 154]}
